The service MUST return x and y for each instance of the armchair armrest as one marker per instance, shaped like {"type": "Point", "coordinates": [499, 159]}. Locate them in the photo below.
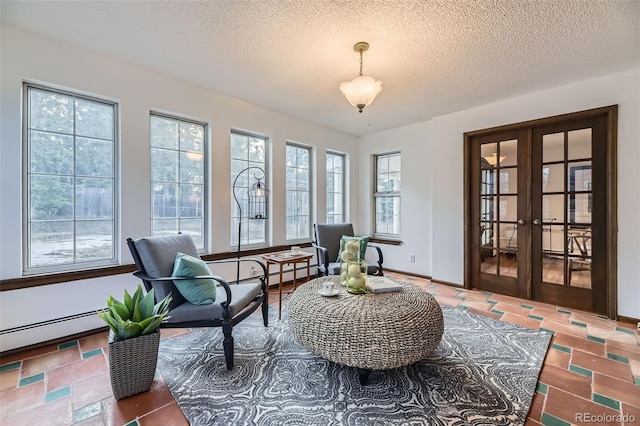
{"type": "Point", "coordinates": [224, 284]}
{"type": "Point", "coordinates": [380, 259]}
{"type": "Point", "coordinates": [323, 255]}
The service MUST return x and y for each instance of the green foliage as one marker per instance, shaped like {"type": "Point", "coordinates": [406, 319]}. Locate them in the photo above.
{"type": "Point", "coordinates": [137, 315]}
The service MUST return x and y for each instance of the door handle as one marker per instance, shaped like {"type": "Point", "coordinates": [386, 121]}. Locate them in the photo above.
{"type": "Point", "coordinates": [536, 221]}
{"type": "Point", "coordinates": [521, 222]}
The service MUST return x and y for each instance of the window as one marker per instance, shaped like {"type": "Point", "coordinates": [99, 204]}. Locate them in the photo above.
{"type": "Point", "coordinates": [298, 170]}
{"type": "Point", "coordinates": [387, 195]}
{"type": "Point", "coordinates": [70, 143]}
{"type": "Point", "coordinates": [177, 177]}
{"type": "Point", "coordinates": [335, 187]}
{"type": "Point", "coordinates": [247, 151]}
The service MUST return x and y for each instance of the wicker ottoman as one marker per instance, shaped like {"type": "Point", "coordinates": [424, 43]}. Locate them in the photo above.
{"type": "Point", "coordinates": [366, 331]}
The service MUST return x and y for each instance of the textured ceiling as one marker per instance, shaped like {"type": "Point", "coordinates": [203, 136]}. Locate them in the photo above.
{"type": "Point", "coordinates": [433, 57]}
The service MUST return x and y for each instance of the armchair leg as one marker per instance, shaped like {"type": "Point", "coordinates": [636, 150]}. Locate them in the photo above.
{"type": "Point", "coordinates": [227, 344]}
{"type": "Point", "coordinates": [265, 309]}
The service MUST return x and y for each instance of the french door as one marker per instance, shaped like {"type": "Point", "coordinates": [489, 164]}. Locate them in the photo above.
{"type": "Point", "coordinates": [540, 210]}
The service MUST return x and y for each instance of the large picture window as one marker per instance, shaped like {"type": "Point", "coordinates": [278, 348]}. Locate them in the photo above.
{"type": "Point", "coordinates": [177, 177]}
{"type": "Point", "coordinates": [247, 151]}
{"type": "Point", "coordinates": [298, 170]}
{"type": "Point", "coordinates": [335, 187]}
{"type": "Point", "coordinates": [387, 195]}
{"type": "Point", "coordinates": [71, 185]}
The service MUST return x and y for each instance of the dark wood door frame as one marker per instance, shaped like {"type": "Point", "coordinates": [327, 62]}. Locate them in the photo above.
{"type": "Point", "coordinates": [611, 115]}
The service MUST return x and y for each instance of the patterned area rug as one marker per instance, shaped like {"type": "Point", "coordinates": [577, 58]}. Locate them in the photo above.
{"type": "Point", "coordinates": [484, 372]}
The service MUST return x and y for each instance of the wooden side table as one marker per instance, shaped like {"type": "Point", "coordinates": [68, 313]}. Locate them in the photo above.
{"type": "Point", "coordinates": [286, 258]}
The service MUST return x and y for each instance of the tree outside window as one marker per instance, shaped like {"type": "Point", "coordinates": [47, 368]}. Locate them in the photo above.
{"type": "Point", "coordinates": [387, 195]}
{"type": "Point", "coordinates": [71, 181]}
{"type": "Point", "coordinates": [298, 188]}
{"type": "Point", "coordinates": [177, 177]}
{"type": "Point", "coordinates": [335, 173]}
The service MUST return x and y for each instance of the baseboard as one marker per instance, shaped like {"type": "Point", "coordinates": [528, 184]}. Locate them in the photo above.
{"type": "Point", "coordinates": [629, 320]}
{"type": "Point", "coordinates": [413, 274]}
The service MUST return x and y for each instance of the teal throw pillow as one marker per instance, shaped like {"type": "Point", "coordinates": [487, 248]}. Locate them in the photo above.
{"type": "Point", "coordinates": [198, 292]}
{"type": "Point", "coordinates": [361, 241]}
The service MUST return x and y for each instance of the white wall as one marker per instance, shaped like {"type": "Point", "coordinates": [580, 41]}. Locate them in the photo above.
{"type": "Point", "coordinates": [138, 91]}
{"type": "Point", "coordinates": [439, 175]}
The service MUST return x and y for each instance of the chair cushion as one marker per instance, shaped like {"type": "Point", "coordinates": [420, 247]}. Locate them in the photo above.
{"type": "Point", "coordinates": [241, 296]}
{"type": "Point", "coordinates": [360, 241]}
{"type": "Point", "coordinates": [328, 236]}
{"type": "Point", "coordinates": [199, 291]}
{"type": "Point", "coordinates": [157, 255]}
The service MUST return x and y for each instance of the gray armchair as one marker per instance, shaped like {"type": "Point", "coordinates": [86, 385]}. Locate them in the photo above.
{"type": "Point", "coordinates": [327, 245]}
{"type": "Point", "coordinates": [154, 258]}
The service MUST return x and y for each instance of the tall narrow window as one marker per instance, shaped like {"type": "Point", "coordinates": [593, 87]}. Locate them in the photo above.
{"type": "Point", "coordinates": [177, 177]}
{"type": "Point", "coordinates": [298, 169]}
{"type": "Point", "coordinates": [71, 186]}
{"type": "Point", "coordinates": [335, 187]}
{"type": "Point", "coordinates": [247, 151]}
{"type": "Point", "coordinates": [387, 195]}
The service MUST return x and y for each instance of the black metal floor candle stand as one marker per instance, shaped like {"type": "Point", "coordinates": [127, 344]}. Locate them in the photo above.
{"type": "Point", "coordinates": [258, 198]}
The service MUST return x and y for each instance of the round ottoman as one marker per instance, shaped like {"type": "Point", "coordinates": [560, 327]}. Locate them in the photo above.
{"type": "Point", "coordinates": [366, 331]}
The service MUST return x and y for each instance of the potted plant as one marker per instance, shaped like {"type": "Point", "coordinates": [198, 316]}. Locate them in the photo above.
{"type": "Point", "coordinates": [134, 338]}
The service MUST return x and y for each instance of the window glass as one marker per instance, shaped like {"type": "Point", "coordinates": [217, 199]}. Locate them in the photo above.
{"type": "Point", "coordinates": [298, 189]}
{"type": "Point", "coordinates": [71, 186]}
{"type": "Point", "coordinates": [387, 195]}
{"type": "Point", "coordinates": [248, 162]}
{"type": "Point", "coordinates": [335, 174]}
{"type": "Point", "coordinates": [177, 177]}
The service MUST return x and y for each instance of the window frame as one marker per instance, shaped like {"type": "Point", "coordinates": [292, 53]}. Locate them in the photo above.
{"type": "Point", "coordinates": [27, 147]}
{"type": "Point", "coordinates": [310, 193]}
{"type": "Point", "coordinates": [343, 185]}
{"type": "Point", "coordinates": [386, 194]}
{"type": "Point", "coordinates": [233, 244]}
{"type": "Point", "coordinates": [204, 219]}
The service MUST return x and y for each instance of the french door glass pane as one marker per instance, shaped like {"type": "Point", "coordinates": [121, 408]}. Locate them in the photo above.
{"type": "Point", "coordinates": [553, 147]}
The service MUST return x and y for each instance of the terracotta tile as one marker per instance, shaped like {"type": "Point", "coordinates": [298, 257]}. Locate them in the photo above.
{"type": "Point", "coordinates": [49, 361]}
{"type": "Point", "coordinates": [612, 334]}
{"type": "Point", "coordinates": [448, 301]}
{"type": "Point", "coordinates": [554, 316]}
{"type": "Point", "coordinates": [513, 309]}
{"type": "Point", "coordinates": [629, 411]}
{"type": "Point", "coordinates": [566, 380]}
{"type": "Point", "coordinates": [172, 332]}
{"type": "Point", "coordinates": [20, 399]}
{"type": "Point", "coordinates": [572, 330]}
{"type": "Point", "coordinates": [125, 410]}
{"type": "Point", "coordinates": [8, 359]}
{"type": "Point", "coordinates": [92, 389]}
{"type": "Point", "coordinates": [500, 298]}
{"type": "Point", "coordinates": [635, 367]}
{"type": "Point", "coordinates": [619, 390]}
{"type": "Point", "coordinates": [169, 415]}
{"type": "Point", "coordinates": [477, 304]}
{"type": "Point", "coordinates": [531, 422]}
{"type": "Point", "coordinates": [557, 359]}
{"type": "Point", "coordinates": [484, 313]}
{"type": "Point", "coordinates": [540, 307]}
{"type": "Point", "coordinates": [565, 406]}
{"type": "Point", "coordinates": [602, 365]}
{"type": "Point", "coordinates": [594, 320]}
{"type": "Point", "coordinates": [57, 413]}
{"type": "Point", "coordinates": [474, 295]}
{"type": "Point", "coordinates": [631, 352]}
{"type": "Point", "coordinates": [584, 345]}
{"type": "Point", "coordinates": [536, 406]}
{"type": "Point", "coordinates": [79, 370]}
{"type": "Point", "coordinates": [520, 320]}
{"type": "Point", "coordinates": [9, 379]}
{"type": "Point", "coordinates": [95, 341]}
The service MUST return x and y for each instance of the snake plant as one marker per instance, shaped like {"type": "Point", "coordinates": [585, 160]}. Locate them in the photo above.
{"type": "Point", "coordinates": [136, 315]}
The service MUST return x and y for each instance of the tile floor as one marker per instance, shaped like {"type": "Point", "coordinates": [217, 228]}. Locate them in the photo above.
{"type": "Point", "coordinates": [591, 373]}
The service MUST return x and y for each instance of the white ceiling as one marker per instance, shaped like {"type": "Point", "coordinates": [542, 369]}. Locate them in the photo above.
{"type": "Point", "coordinates": [433, 57]}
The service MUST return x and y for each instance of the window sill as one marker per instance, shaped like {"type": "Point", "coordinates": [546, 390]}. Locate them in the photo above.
{"type": "Point", "coordinates": [386, 241]}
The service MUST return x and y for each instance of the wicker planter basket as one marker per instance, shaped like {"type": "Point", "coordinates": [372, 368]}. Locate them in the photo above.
{"type": "Point", "coordinates": [132, 363]}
